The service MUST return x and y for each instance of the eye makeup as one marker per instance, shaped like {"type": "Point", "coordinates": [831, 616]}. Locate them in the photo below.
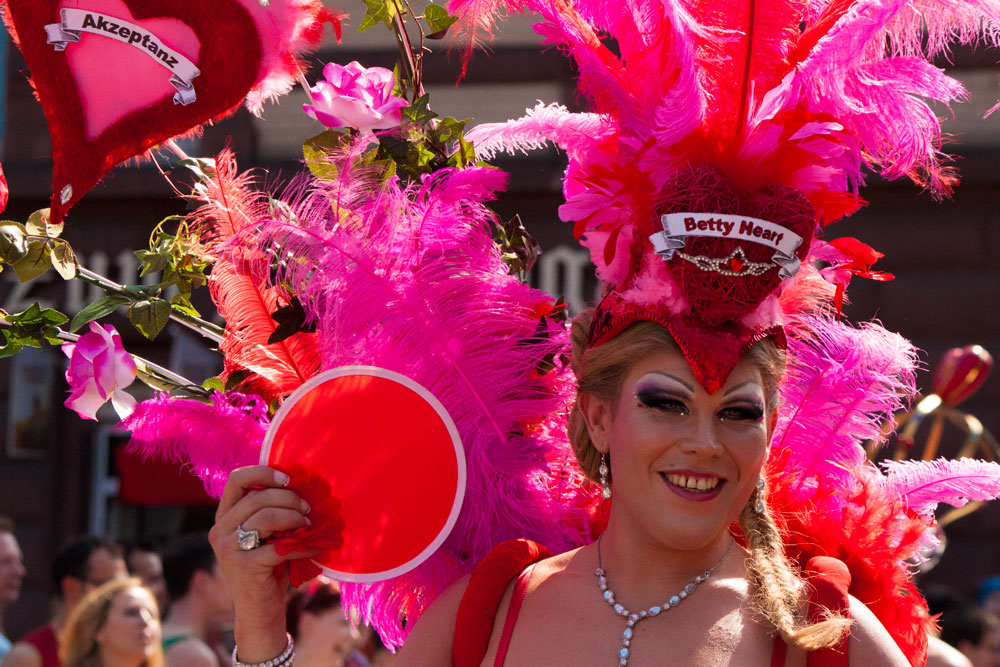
{"type": "Point", "coordinates": [663, 392]}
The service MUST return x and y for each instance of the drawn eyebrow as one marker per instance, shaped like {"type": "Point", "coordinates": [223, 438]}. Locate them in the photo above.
{"type": "Point", "coordinates": [674, 378]}
{"type": "Point", "coordinates": [745, 382]}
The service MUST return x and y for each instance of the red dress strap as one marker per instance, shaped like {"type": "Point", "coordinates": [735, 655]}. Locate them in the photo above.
{"type": "Point", "coordinates": [516, 600]}
{"type": "Point", "coordinates": [829, 581]}
{"type": "Point", "coordinates": [487, 585]}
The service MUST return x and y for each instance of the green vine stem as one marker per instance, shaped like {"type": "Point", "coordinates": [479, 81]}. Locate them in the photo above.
{"type": "Point", "coordinates": [150, 373]}
{"type": "Point", "coordinates": [202, 327]}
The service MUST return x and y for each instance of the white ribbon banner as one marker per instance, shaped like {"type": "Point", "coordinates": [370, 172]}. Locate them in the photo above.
{"type": "Point", "coordinates": [678, 226]}
{"type": "Point", "coordinates": [75, 21]}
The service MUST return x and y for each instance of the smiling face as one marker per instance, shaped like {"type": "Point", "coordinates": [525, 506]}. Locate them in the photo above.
{"type": "Point", "coordinates": [683, 462]}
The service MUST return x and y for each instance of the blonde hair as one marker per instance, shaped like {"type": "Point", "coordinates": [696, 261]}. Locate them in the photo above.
{"type": "Point", "coordinates": [79, 647]}
{"type": "Point", "coordinates": [601, 370]}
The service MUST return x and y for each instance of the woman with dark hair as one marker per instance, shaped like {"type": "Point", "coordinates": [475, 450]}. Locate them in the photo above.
{"type": "Point", "coordinates": [324, 636]}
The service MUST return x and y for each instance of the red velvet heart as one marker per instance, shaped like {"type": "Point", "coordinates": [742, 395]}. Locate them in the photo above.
{"type": "Point", "coordinates": [716, 298]}
{"type": "Point", "coordinates": [228, 56]}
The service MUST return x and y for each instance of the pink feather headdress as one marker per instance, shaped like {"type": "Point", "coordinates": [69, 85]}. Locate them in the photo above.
{"type": "Point", "coordinates": [726, 135]}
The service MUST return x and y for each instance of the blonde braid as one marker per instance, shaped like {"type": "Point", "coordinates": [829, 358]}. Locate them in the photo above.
{"type": "Point", "coordinates": [777, 595]}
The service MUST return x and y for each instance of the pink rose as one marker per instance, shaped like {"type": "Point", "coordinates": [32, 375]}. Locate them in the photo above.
{"type": "Point", "coordinates": [99, 369]}
{"type": "Point", "coordinates": [353, 96]}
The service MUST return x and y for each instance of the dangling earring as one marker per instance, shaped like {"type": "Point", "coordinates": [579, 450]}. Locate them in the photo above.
{"type": "Point", "coordinates": [759, 505]}
{"type": "Point", "coordinates": [603, 472]}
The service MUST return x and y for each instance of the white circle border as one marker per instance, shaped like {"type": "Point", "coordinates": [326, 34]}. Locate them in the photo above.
{"type": "Point", "coordinates": [432, 400]}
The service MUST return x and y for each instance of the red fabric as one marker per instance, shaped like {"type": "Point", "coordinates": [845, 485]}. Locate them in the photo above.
{"type": "Point", "coordinates": [516, 600]}
{"type": "Point", "coordinates": [157, 482]}
{"type": "Point", "coordinates": [229, 61]}
{"type": "Point", "coordinates": [44, 639]}
{"type": "Point", "coordinates": [829, 581]}
{"type": "Point", "coordinates": [488, 582]}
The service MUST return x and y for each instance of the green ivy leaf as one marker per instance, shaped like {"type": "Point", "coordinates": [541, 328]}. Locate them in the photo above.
{"type": "Point", "coordinates": [378, 11]}
{"type": "Point", "coordinates": [203, 168]}
{"type": "Point", "coordinates": [214, 384]}
{"type": "Point", "coordinates": [39, 224]}
{"type": "Point", "coordinates": [13, 245]}
{"type": "Point", "coordinates": [64, 259]}
{"type": "Point", "coordinates": [149, 316]}
{"type": "Point", "coordinates": [32, 327]}
{"type": "Point", "coordinates": [152, 262]}
{"type": "Point", "coordinates": [419, 112]}
{"type": "Point", "coordinates": [37, 261]}
{"type": "Point", "coordinates": [98, 309]}
{"type": "Point", "coordinates": [438, 21]}
{"type": "Point", "coordinates": [316, 150]}
{"type": "Point", "coordinates": [34, 316]}
{"type": "Point", "coordinates": [11, 345]}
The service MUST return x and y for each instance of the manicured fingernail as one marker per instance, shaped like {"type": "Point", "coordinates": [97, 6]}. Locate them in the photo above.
{"type": "Point", "coordinates": [281, 478]}
{"type": "Point", "coordinates": [308, 521]}
{"type": "Point", "coordinates": [305, 507]}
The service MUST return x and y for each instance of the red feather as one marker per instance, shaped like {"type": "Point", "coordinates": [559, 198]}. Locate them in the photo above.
{"type": "Point", "coordinates": [242, 299]}
{"type": "Point", "coordinates": [748, 44]}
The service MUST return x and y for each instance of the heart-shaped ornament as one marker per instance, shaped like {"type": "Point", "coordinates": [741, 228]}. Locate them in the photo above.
{"type": "Point", "coordinates": [117, 77]}
{"type": "Point", "coordinates": [731, 259]}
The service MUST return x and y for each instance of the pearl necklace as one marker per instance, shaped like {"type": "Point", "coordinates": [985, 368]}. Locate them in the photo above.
{"type": "Point", "coordinates": [609, 597]}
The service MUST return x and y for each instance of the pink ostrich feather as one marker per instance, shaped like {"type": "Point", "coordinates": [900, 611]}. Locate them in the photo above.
{"type": "Point", "coordinates": [851, 73]}
{"type": "Point", "coordinates": [922, 485]}
{"type": "Point", "coordinates": [843, 383]}
{"type": "Point", "coordinates": [212, 438]}
{"type": "Point", "coordinates": [410, 279]}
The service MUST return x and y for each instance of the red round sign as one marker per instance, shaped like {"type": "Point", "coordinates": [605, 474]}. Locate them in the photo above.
{"type": "Point", "coordinates": [388, 451]}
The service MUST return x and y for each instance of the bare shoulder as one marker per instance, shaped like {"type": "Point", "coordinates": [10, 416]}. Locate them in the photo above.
{"type": "Point", "coordinates": [433, 636]}
{"type": "Point", "coordinates": [191, 653]}
{"type": "Point", "coordinates": [22, 655]}
{"type": "Point", "coordinates": [870, 644]}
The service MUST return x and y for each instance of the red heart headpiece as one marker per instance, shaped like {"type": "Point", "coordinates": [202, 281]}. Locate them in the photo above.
{"type": "Point", "coordinates": [117, 77]}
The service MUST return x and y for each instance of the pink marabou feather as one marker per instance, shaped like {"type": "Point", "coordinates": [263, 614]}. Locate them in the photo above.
{"type": "Point", "coordinates": [288, 30]}
{"type": "Point", "coordinates": [409, 279]}
{"type": "Point", "coordinates": [540, 125]}
{"type": "Point", "coordinates": [921, 485]}
{"type": "Point", "coordinates": [213, 438]}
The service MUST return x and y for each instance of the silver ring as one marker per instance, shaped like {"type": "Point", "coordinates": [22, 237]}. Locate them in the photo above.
{"type": "Point", "coordinates": [248, 539]}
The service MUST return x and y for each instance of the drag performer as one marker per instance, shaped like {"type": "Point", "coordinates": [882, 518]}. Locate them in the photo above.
{"type": "Point", "coordinates": [720, 400]}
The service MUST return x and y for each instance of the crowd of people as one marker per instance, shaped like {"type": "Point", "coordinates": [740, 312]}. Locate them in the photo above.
{"type": "Point", "coordinates": [137, 604]}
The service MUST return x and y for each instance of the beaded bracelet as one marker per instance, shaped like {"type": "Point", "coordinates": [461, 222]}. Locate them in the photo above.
{"type": "Point", "coordinates": [284, 660]}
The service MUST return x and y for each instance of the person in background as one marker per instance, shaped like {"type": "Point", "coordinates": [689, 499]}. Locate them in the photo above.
{"type": "Point", "coordinates": [144, 561]}
{"type": "Point", "coordinates": [372, 647]}
{"type": "Point", "coordinates": [79, 567]}
{"type": "Point", "coordinates": [324, 636]}
{"type": "Point", "coordinates": [198, 595]}
{"type": "Point", "coordinates": [988, 595]}
{"type": "Point", "coordinates": [11, 575]}
{"type": "Point", "coordinates": [115, 625]}
{"type": "Point", "coordinates": [973, 631]}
